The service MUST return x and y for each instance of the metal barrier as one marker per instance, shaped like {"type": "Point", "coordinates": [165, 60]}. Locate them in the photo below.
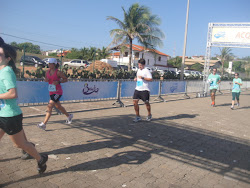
{"type": "Point", "coordinates": [35, 91]}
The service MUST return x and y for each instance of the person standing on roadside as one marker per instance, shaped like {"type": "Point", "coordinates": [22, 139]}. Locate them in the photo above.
{"type": "Point", "coordinates": [237, 82]}
{"type": "Point", "coordinates": [55, 78]}
{"type": "Point", "coordinates": [10, 113]}
{"type": "Point", "coordinates": [143, 77]}
{"type": "Point", "coordinates": [213, 80]}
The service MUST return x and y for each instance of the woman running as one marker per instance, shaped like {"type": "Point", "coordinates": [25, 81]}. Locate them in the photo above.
{"type": "Point", "coordinates": [10, 113]}
{"type": "Point", "coordinates": [55, 78]}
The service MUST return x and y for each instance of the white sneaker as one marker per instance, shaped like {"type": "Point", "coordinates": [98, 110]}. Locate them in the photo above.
{"type": "Point", "coordinates": [149, 118]}
{"type": "Point", "coordinates": [69, 120]}
{"type": "Point", "coordinates": [41, 126]}
{"type": "Point", "coordinates": [137, 118]}
{"type": "Point", "coordinates": [232, 107]}
{"type": "Point", "coordinates": [238, 104]}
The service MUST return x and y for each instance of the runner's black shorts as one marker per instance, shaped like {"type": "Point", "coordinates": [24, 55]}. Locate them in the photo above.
{"type": "Point", "coordinates": [143, 95]}
{"type": "Point", "coordinates": [55, 97]}
{"type": "Point", "coordinates": [12, 125]}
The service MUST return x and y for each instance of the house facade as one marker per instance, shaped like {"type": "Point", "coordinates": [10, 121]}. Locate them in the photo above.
{"type": "Point", "coordinates": [153, 58]}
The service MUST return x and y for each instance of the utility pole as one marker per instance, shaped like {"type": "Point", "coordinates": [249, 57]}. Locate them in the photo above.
{"type": "Point", "coordinates": [185, 42]}
{"type": "Point", "coordinates": [23, 59]}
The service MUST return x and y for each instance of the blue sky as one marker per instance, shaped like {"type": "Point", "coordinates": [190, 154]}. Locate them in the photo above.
{"type": "Point", "coordinates": [82, 23]}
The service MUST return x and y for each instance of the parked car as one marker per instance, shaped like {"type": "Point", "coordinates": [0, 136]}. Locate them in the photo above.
{"type": "Point", "coordinates": [161, 72]}
{"type": "Point", "coordinates": [32, 60]}
{"type": "Point", "coordinates": [76, 63]}
{"type": "Point", "coordinates": [134, 69]}
{"type": "Point", "coordinates": [150, 69]}
{"type": "Point", "coordinates": [46, 60]}
{"type": "Point", "coordinates": [123, 67]}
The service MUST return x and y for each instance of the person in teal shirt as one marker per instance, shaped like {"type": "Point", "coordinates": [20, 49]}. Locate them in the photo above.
{"type": "Point", "coordinates": [10, 113]}
{"type": "Point", "coordinates": [237, 82]}
{"type": "Point", "coordinates": [213, 80]}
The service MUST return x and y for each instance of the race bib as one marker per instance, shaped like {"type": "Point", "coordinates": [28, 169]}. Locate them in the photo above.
{"type": "Point", "coordinates": [52, 88]}
{"type": "Point", "coordinates": [139, 83]}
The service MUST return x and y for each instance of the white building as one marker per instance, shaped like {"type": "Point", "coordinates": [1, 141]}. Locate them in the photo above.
{"type": "Point", "coordinates": [153, 58]}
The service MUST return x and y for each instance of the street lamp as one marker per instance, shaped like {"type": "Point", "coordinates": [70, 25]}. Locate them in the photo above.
{"type": "Point", "coordinates": [185, 41]}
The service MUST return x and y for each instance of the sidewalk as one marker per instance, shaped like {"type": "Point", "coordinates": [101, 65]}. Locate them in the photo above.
{"type": "Point", "coordinates": [187, 144]}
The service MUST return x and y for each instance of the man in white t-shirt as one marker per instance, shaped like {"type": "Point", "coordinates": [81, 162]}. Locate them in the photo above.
{"type": "Point", "coordinates": [142, 91]}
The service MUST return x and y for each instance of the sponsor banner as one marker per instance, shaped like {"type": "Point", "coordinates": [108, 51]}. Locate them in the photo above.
{"type": "Point", "coordinates": [128, 88]}
{"type": "Point", "coordinates": [37, 92]}
{"type": "Point", "coordinates": [173, 87]}
{"type": "Point", "coordinates": [32, 92]}
{"type": "Point", "coordinates": [231, 35]}
{"type": "Point", "coordinates": [89, 90]}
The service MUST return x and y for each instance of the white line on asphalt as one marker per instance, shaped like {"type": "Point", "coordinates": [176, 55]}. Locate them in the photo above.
{"type": "Point", "coordinates": [36, 109]}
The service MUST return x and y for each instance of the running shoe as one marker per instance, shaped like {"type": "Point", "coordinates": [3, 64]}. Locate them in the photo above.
{"type": "Point", "coordinates": [41, 165]}
{"type": "Point", "coordinates": [25, 155]}
{"type": "Point", "coordinates": [41, 126]}
{"type": "Point", "coordinates": [213, 104]}
{"type": "Point", "coordinates": [149, 118]}
{"type": "Point", "coordinates": [69, 119]}
{"type": "Point", "coordinates": [137, 119]}
{"type": "Point", "coordinates": [238, 104]}
{"type": "Point", "coordinates": [232, 107]}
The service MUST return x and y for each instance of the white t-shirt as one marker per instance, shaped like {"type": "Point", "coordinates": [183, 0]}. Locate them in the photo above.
{"type": "Point", "coordinates": [141, 84]}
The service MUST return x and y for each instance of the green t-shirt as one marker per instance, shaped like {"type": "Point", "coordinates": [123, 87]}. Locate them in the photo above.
{"type": "Point", "coordinates": [8, 107]}
{"type": "Point", "coordinates": [213, 81]}
{"type": "Point", "coordinates": [236, 87]}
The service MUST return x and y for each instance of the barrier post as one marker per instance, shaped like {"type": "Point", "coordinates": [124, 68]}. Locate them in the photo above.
{"type": "Point", "coordinates": [118, 101]}
{"type": "Point", "coordinates": [186, 95]}
{"type": "Point", "coordinates": [159, 98]}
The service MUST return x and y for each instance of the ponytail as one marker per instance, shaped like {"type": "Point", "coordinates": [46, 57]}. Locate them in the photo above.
{"type": "Point", "coordinates": [9, 51]}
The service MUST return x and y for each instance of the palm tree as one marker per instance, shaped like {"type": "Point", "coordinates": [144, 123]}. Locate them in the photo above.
{"type": "Point", "coordinates": [225, 55]}
{"type": "Point", "coordinates": [138, 24]}
{"type": "Point", "coordinates": [103, 53]}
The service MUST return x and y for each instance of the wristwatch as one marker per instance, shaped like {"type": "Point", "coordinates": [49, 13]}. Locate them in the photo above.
{"type": "Point", "coordinates": [142, 77]}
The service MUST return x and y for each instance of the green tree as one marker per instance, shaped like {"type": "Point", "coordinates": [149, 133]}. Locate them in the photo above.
{"type": "Point", "coordinates": [103, 53]}
{"type": "Point", "coordinates": [138, 24]}
{"type": "Point", "coordinates": [197, 67]}
{"type": "Point", "coordinates": [175, 62]}
{"type": "Point", "coordinates": [75, 54]}
{"type": "Point", "coordinates": [225, 55]}
{"type": "Point", "coordinates": [29, 47]}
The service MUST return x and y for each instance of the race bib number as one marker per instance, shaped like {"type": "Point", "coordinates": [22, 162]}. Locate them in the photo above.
{"type": "Point", "coordinates": [52, 88]}
{"type": "Point", "coordinates": [139, 83]}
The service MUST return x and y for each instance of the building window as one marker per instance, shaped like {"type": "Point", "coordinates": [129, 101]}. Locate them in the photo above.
{"type": "Point", "coordinates": [148, 61]}
{"type": "Point", "coordinates": [136, 54]}
{"type": "Point", "coordinates": [126, 54]}
{"type": "Point", "coordinates": [159, 58]}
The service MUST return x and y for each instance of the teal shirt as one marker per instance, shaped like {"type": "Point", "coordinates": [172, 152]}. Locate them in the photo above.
{"type": "Point", "coordinates": [236, 87]}
{"type": "Point", "coordinates": [8, 107]}
{"type": "Point", "coordinates": [213, 80]}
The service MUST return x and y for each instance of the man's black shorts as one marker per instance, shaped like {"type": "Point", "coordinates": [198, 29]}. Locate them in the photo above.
{"type": "Point", "coordinates": [55, 97]}
{"type": "Point", "coordinates": [143, 95]}
{"type": "Point", "coordinates": [12, 125]}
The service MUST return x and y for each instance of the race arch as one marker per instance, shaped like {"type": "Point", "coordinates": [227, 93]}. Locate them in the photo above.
{"type": "Point", "coordinates": [233, 35]}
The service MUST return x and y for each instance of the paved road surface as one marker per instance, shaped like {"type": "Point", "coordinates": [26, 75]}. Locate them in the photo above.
{"type": "Point", "coordinates": [188, 144]}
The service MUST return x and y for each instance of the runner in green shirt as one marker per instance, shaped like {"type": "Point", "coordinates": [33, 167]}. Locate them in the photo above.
{"type": "Point", "coordinates": [213, 80]}
{"type": "Point", "coordinates": [237, 82]}
{"type": "Point", "coordinates": [10, 114]}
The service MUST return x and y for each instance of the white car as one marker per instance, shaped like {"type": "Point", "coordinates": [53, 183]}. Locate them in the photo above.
{"type": "Point", "coordinates": [161, 72]}
{"type": "Point", "coordinates": [150, 69]}
{"type": "Point", "coordinates": [76, 63]}
{"type": "Point", "coordinates": [134, 69]}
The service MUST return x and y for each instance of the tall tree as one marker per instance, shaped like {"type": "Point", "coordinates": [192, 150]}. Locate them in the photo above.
{"type": "Point", "coordinates": [138, 24]}
{"type": "Point", "coordinates": [225, 55]}
{"type": "Point", "coordinates": [175, 62]}
{"type": "Point", "coordinates": [103, 53]}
